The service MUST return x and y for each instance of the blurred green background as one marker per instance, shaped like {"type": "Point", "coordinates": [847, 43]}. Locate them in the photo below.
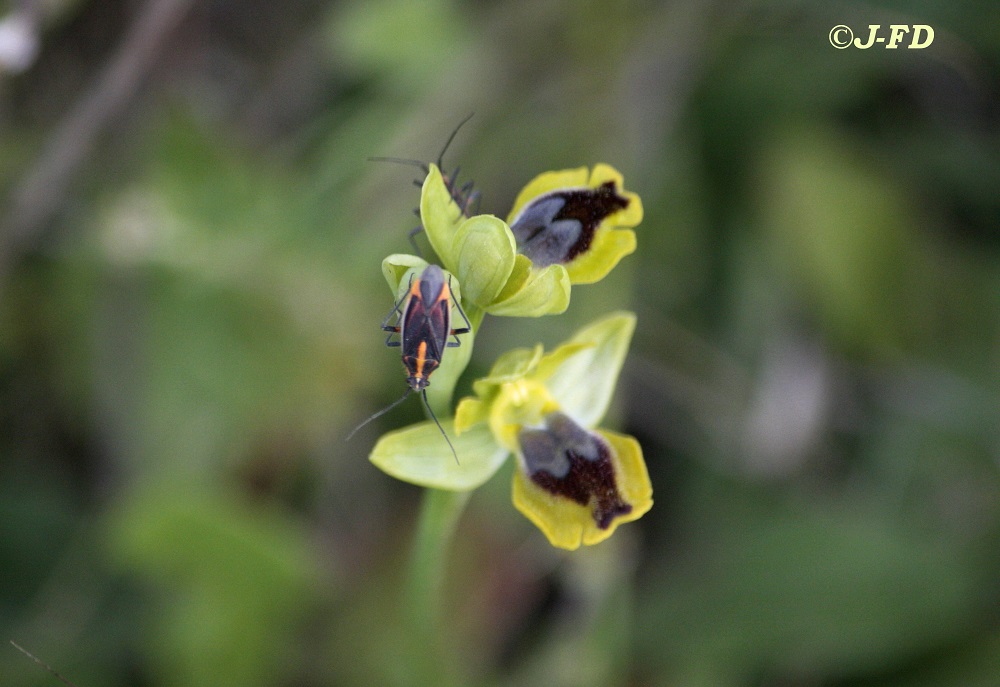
{"type": "Point", "coordinates": [190, 296]}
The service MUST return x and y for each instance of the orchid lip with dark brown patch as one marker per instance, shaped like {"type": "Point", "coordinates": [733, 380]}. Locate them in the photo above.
{"type": "Point", "coordinates": [557, 227]}
{"type": "Point", "coordinates": [569, 461]}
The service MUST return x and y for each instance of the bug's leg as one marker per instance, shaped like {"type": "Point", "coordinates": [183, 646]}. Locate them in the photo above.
{"type": "Point", "coordinates": [413, 239]}
{"type": "Point", "coordinates": [394, 328]}
{"type": "Point", "coordinates": [472, 203]}
{"type": "Point", "coordinates": [464, 330]}
{"type": "Point", "coordinates": [386, 327]}
{"type": "Point", "coordinates": [464, 195]}
{"type": "Point", "coordinates": [468, 197]}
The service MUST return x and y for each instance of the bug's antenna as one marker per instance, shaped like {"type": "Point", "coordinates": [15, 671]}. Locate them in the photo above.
{"type": "Point", "coordinates": [423, 395]}
{"type": "Point", "coordinates": [381, 413]}
{"type": "Point", "coordinates": [40, 662]}
{"type": "Point", "coordinates": [401, 161]}
{"type": "Point", "coordinates": [452, 138]}
{"type": "Point", "coordinates": [420, 164]}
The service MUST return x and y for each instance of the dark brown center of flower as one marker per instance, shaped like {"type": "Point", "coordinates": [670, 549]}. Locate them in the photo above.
{"type": "Point", "coordinates": [558, 226]}
{"type": "Point", "coordinates": [566, 460]}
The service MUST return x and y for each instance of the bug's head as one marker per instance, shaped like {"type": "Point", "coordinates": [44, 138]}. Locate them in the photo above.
{"type": "Point", "coordinates": [418, 382]}
{"type": "Point", "coordinates": [418, 371]}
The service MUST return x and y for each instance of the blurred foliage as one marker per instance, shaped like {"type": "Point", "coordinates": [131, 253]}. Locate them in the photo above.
{"type": "Point", "coordinates": [189, 328]}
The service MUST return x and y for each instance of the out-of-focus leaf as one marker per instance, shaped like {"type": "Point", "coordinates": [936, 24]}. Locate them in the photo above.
{"type": "Point", "coordinates": [394, 35]}
{"type": "Point", "coordinates": [234, 580]}
{"type": "Point", "coordinates": [847, 237]}
{"type": "Point", "coordinates": [801, 589]}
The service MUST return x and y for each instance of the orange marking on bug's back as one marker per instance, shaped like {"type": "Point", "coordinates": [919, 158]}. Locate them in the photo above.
{"type": "Point", "coordinates": [445, 294]}
{"type": "Point", "coordinates": [415, 289]}
{"type": "Point", "coordinates": [421, 359]}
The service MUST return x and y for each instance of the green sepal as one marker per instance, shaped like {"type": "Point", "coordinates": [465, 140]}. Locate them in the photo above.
{"type": "Point", "coordinates": [440, 216]}
{"type": "Point", "coordinates": [531, 292]}
{"type": "Point", "coordinates": [396, 269]}
{"type": "Point", "coordinates": [484, 248]}
{"type": "Point", "coordinates": [583, 380]}
{"type": "Point", "coordinates": [510, 367]}
{"type": "Point", "coordinates": [418, 454]}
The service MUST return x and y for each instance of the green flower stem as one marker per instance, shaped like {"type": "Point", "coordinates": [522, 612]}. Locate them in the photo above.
{"type": "Point", "coordinates": [440, 511]}
{"type": "Point", "coordinates": [439, 514]}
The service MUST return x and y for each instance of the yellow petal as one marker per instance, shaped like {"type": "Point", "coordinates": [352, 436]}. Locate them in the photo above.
{"type": "Point", "coordinates": [566, 523]}
{"type": "Point", "coordinates": [519, 403]}
{"type": "Point", "coordinates": [613, 240]}
{"type": "Point", "coordinates": [470, 411]}
{"type": "Point", "coordinates": [607, 249]}
{"type": "Point", "coordinates": [584, 224]}
{"type": "Point", "coordinates": [546, 182]}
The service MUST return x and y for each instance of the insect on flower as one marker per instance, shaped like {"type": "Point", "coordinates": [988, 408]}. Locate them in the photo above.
{"type": "Point", "coordinates": [423, 325]}
{"type": "Point", "coordinates": [464, 196]}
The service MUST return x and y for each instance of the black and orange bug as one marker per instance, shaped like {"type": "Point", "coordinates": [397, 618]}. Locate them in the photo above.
{"type": "Point", "coordinates": [465, 196]}
{"type": "Point", "coordinates": [424, 327]}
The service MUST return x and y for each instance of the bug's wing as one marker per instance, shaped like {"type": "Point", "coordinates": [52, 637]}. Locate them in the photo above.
{"type": "Point", "coordinates": [430, 325]}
